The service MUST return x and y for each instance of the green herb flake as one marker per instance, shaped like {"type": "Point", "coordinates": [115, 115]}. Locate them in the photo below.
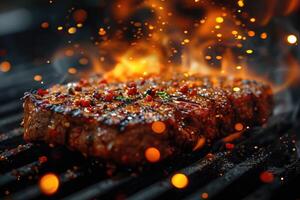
{"type": "Point", "coordinates": [124, 99]}
{"type": "Point", "coordinates": [163, 95]}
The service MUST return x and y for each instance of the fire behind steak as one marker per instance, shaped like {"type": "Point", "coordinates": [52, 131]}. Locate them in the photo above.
{"type": "Point", "coordinates": [120, 122]}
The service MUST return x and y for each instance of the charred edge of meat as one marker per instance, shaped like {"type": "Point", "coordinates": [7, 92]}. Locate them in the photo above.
{"type": "Point", "coordinates": [122, 131]}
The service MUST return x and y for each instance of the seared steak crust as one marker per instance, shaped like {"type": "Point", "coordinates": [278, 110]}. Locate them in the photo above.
{"type": "Point", "coordinates": [113, 121]}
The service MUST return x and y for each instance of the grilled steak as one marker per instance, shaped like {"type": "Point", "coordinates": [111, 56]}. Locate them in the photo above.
{"type": "Point", "coordinates": [121, 121]}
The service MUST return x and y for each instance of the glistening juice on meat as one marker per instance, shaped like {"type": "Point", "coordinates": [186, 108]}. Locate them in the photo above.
{"type": "Point", "coordinates": [145, 120]}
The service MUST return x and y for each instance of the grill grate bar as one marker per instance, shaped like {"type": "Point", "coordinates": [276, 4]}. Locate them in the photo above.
{"type": "Point", "coordinates": [163, 186]}
{"type": "Point", "coordinates": [11, 134]}
{"type": "Point", "coordinates": [19, 172]}
{"type": "Point", "coordinates": [246, 146]}
{"type": "Point", "coordinates": [234, 166]}
{"type": "Point", "coordinates": [217, 185]}
{"type": "Point", "coordinates": [11, 122]}
{"type": "Point", "coordinates": [11, 139]}
{"type": "Point", "coordinates": [10, 108]}
{"type": "Point", "coordinates": [7, 154]}
{"type": "Point", "coordinates": [33, 191]}
{"type": "Point", "coordinates": [291, 171]}
{"type": "Point", "coordinates": [98, 189]}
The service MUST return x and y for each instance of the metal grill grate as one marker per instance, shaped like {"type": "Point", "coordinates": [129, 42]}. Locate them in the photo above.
{"type": "Point", "coordinates": [226, 174]}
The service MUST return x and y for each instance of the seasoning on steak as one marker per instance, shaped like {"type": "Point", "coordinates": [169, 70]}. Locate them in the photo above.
{"type": "Point", "coordinates": [113, 121]}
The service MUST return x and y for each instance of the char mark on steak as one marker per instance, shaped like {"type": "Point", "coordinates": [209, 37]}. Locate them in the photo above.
{"type": "Point", "coordinates": [114, 121]}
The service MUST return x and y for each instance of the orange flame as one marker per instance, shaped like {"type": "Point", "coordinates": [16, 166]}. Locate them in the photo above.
{"type": "Point", "coordinates": [213, 44]}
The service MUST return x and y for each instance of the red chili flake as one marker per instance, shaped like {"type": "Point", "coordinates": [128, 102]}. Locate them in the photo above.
{"type": "Point", "coordinates": [103, 81]}
{"type": "Point", "coordinates": [109, 96]}
{"type": "Point", "coordinates": [184, 89]}
{"type": "Point", "coordinates": [132, 91]}
{"type": "Point", "coordinates": [78, 88]}
{"type": "Point", "coordinates": [175, 83]}
{"type": "Point", "coordinates": [148, 98]}
{"type": "Point", "coordinates": [85, 103]}
{"type": "Point", "coordinates": [83, 82]}
{"type": "Point", "coordinates": [42, 92]}
{"type": "Point", "coordinates": [266, 177]}
{"type": "Point", "coordinates": [229, 146]}
{"type": "Point", "coordinates": [131, 84]}
{"type": "Point", "coordinates": [43, 159]}
{"type": "Point", "coordinates": [193, 92]}
{"type": "Point", "coordinates": [153, 91]}
{"type": "Point", "coordinates": [77, 103]}
{"type": "Point", "coordinates": [46, 101]}
{"type": "Point", "coordinates": [61, 96]}
{"type": "Point", "coordinates": [97, 95]}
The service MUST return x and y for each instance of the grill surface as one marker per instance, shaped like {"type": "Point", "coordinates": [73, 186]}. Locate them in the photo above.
{"type": "Point", "coordinates": [226, 174]}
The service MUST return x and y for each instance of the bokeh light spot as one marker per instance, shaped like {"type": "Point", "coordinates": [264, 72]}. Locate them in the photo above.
{"type": "Point", "coordinates": [238, 127]}
{"type": "Point", "coordinates": [158, 127]}
{"type": "Point", "coordinates": [152, 154]}
{"type": "Point", "coordinates": [292, 39]}
{"type": "Point", "coordinates": [5, 66]}
{"type": "Point", "coordinates": [266, 177]}
{"type": "Point", "coordinates": [179, 180]}
{"type": "Point", "coordinates": [49, 184]}
{"type": "Point", "coordinates": [219, 20]}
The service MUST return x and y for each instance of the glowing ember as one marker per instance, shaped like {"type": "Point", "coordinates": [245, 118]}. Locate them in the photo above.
{"type": "Point", "coordinates": [234, 32]}
{"type": "Point", "coordinates": [219, 57]}
{"type": "Point", "coordinates": [208, 57]}
{"type": "Point", "coordinates": [43, 159]}
{"type": "Point", "coordinates": [60, 28]}
{"type": "Point", "coordinates": [45, 25]}
{"type": "Point", "coordinates": [69, 52]}
{"type": "Point", "coordinates": [251, 33]}
{"type": "Point", "coordinates": [158, 127]}
{"type": "Point", "coordinates": [37, 77]}
{"type": "Point", "coordinates": [179, 180]}
{"type": "Point", "coordinates": [204, 195]}
{"type": "Point", "coordinates": [72, 70]}
{"type": "Point", "coordinates": [266, 177]}
{"type": "Point", "coordinates": [238, 127]}
{"type": "Point", "coordinates": [72, 30]}
{"type": "Point", "coordinates": [236, 89]}
{"type": "Point", "coordinates": [101, 32]}
{"type": "Point", "coordinates": [49, 184]}
{"type": "Point", "coordinates": [5, 66]}
{"type": "Point", "coordinates": [200, 144]}
{"type": "Point", "coordinates": [84, 61]}
{"type": "Point", "coordinates": [292, 39]}
{"type": "Point", "coordinates": [249, 51]}
{"type": "Point", "coordinates": [240, 3]}
{"type": "Point", "coordinates": [229, 146]}
{"type": "Point", "coordinates": [152, 154]}
{"type": "Point", "coordinates": [220, 20]}
{"type": "Point", "coordinates": [186, 40]}
{"type": "Point", "coordinates": [151, 27]}
{"type": "Point", "coordinates": [263, 36]}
